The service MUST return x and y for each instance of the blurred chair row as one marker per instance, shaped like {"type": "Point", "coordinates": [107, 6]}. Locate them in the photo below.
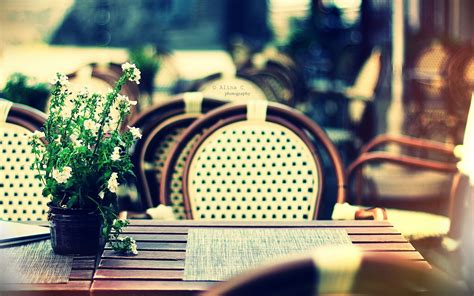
{"type": "Point", "coordinates": [209, 159]}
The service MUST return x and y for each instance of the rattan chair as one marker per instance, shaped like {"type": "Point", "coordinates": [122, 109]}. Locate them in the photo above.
{"type": "Point", "coordinates": [427, 113]}
{"type": "Point", "coordinates": [161, 128]}
{"type": "Point", "coordinates": [341, 271]}
{"type": "Point", "coordinates": [412, 178]}
{"type": "Point", "coordinates": [278, 75]}
{"type": "Point", "coordinates": [417, 183]}
{"type": "Point", "coordinates": [254, 161]}
{"type": "Point", "coordinates": [20, 193]}
{"type": "Point", "coordinates": [276, 85]}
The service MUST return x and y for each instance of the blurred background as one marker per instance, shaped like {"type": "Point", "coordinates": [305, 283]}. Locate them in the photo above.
{"type": "Point", "coordinates": [357, 67]}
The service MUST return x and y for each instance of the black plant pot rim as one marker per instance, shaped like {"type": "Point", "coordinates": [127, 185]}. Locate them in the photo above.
{"type": "Point", "coordinates": [71, 211]}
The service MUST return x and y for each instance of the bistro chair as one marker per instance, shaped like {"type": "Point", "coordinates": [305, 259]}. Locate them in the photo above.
{"type": "Point", "coordinates": [161, 129]}
{"type": "Point", "coordinates": [20, 193]}
{"type": "Point", "coordinates": [420, 181]}
{"type": "Point", "coordinates": [341, 271]}
{"type": "Point", "coordinates": [427, 113]}
{"type": "Point", "coordinates": [254, 161]}
{"type": "Point", "coordinates": [277, 86]}
{"type": "Point", "coordinates": [460, 76]}
{"type": "Point", "coordinates": [278, 75]}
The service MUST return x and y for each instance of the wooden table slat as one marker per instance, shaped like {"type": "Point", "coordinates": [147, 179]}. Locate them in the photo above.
{"type": "Point", "coordinates": [139, 287]}
{"type": "Point", "coordinates": [83, 264]}
{"type": "Point", "coordinates": [140, 274]}
{"type": "Point", "coordinates": [150, 255]}
{"type": "Point", "coordinates": [133, 229]}
{"type": "Point", "coordinates": [141, 264]}
{"type": "Point", "coordinates": [81, 274]}
{"type": "Point", "coordinates": [71, 288]}
{"type": "Point", "coordinates": [183, 238]}
{"type": "Point", "coordinates": [181, 255]}
{"type": "Point", "coordinates": [260, 224]}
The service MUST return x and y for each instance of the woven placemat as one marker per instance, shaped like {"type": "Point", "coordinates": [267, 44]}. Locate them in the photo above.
{"type": "Point", "coordinates": [34, 263]}
{"type": "Point", "coordinates": [218, 254]}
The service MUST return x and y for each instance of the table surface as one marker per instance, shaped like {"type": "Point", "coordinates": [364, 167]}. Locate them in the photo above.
{"type": "Point", "coordinates": [158, 269]}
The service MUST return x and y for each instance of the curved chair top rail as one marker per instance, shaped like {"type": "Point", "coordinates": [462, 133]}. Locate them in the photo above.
{"type": "Point", "coordinates": [161, 124]}
{"type": "Point", "coordinates": [168, 109]}
{"type": "Point", "coordinates": [276, 84]}
{"type": "Point", "coordinates": [236, 109]}
{"type": "Point", "coordinates": [422, 144]}
{"type": "Point", "coordinates": [26, 116]}
{"type": "Point", "coordinates": [315, 274]}
{"type": "Point", "coordinates": [281, 62]}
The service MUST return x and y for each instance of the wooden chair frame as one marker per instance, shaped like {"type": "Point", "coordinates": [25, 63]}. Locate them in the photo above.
{"type": "Point", "coordinates": [27, 117]}
{"type": "Point", "coordinates": [155, 124]}
{"type": "Point", "coordinates": [234, 112]}
{"type": "Point", "coordinates": [353, 172]}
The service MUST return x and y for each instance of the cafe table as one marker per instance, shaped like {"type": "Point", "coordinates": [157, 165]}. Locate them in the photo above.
{"type": "Point", "coordinates": [158, 269]}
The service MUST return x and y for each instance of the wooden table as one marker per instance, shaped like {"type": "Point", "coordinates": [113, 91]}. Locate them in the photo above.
{"type": "Point", "coordinates": [158, 269]}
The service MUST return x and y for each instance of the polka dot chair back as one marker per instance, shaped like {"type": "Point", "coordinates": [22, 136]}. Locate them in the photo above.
{"type": "Point", "coordinates": [254, 161]}
{"type": "Point", "coordinates": [161, 128]}
{"type": "Point", "coordinates": [20, 192]}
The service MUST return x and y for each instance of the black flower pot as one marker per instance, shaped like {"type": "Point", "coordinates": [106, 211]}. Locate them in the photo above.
{"type": "Point", "coordinates": [75, 231]}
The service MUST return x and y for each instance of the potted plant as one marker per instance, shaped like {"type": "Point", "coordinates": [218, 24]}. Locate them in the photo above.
{"type": "Point", "coordinates": [83, 163]}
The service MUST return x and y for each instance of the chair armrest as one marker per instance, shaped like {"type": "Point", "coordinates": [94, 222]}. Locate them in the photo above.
{"type": "Point", "coordinates": [422, 144]}
{"type": "Point", "coordinates": [407, 161]}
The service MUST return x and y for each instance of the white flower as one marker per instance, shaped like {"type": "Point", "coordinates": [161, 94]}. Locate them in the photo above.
{"type": "Point", "coordinates": [135, 132]}
{"type": "Point", "coordinates": [101, 194]}
{"type": "Point", "coordinates": [92, 126]}
{"type": "Point", "coordinates": [58, 139]}
{"type": "Point", "coordinates": [35, 135]}
{"type": "Point", "coordinates": [133, 72]}
{"type": "Point", "coordinates": [125, 101]}
{"type": "Point", "coordinates": [133, 247]}
{"type": "Point", "coordinates": [75, 141]}
{"type": "Point", "coordinates": [38, 134]}
{"type": "Point", "coordinates": [113, 184]}
{"type": "Point", "coordinates": [116, 154]}
{"type": "Point", "coordinates": [63, 175]}
{"type": "Point", "coordinates": [59, 78]}
{"type": "Point", "coordinates": [83, 92]}
{"type": "Point", "coordinates": [66, 112]}
{"type": "Point", "coordinates": [114, 115]}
